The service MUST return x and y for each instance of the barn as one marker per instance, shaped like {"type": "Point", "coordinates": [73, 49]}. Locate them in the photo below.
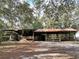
{"type": "Point", "coordinates": [41, 34]}
{"type": "Point", "coordinates": [54, 34]}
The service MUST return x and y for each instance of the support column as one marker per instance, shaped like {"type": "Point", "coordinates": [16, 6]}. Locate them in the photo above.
{"type": "Point", "coordinates": [59, 36]}
{"type": "Point", "coordinates": [46, 37]}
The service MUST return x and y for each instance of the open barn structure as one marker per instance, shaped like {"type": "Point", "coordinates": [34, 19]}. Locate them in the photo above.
{"type": "Point", "coordinates": [12, 34]}
{"type": "Point", "coordinates": [42, 34]}
{"type": "Point", "coordinates": [57, 34]}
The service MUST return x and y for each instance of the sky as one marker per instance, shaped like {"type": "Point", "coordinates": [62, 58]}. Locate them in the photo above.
{"type": "Point", "coordinates": [30, 2]}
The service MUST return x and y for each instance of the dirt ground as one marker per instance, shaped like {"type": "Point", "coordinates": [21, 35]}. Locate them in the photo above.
{"type": "Point", "coordinates": [40, 50]}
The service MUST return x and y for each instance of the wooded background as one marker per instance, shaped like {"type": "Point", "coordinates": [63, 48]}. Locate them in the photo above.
{"type": "Point", "coordinates": [16, 14]}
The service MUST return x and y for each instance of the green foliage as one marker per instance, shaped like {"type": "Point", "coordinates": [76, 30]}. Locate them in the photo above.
{"type": "Point", "coordinates": [57, 12]}
{"type": "Point", "coordinates": [16, 12]}
{"type": "Point", "coordinates": [1, 24]}
{"type": "Point", "coordinates": [37, 25]}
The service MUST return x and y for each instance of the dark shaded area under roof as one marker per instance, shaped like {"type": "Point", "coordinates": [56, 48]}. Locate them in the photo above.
{"type": "Point", "coordinates": [24, 32]}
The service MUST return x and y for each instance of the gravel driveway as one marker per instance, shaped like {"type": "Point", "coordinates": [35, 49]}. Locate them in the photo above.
{"type": "Point", "coordinates": [40, 50]}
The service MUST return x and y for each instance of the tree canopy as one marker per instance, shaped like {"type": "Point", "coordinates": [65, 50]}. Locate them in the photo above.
{"type": "Point", "coordinates": [16, 14]}
{"type": "Point", "coordinates": [57, 13]}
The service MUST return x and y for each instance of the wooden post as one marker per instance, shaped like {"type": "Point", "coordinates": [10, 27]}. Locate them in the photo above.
{"type": "Point", "coordinates": [69, 35]}
{"type": "Point", "coordinates": [53, 38]}
{"type": "Point", "coordinates": [22, 32]}
{"type": "Point", "coordinates": [59, 37]}
{"type": "Point", "coordinates": [33, 36]}
{"type": "Point", "coordinates": [46, 37]}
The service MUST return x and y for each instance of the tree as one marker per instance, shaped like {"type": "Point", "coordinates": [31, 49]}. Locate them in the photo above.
{"type": "Point", "coordinates": [16, 14]}
{"type": "Point", "coordinates": [58, 13]}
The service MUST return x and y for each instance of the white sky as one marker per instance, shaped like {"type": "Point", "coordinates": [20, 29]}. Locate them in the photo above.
{"type": "Point", "coordinates": [22, 1]}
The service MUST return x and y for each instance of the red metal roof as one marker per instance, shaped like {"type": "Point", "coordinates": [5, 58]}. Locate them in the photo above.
{"type": "Point", "coordinates": [55, 30]}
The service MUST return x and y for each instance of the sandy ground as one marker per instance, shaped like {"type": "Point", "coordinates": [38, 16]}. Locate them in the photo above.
{"type": "Point", "coordinates": [40, 50]}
